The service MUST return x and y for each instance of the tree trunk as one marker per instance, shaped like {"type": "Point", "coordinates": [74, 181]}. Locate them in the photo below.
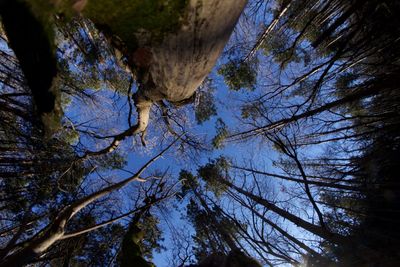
{"type": "Point", "coordinates": [182, 60]}
{"type": "Point", "coordinates": [370, 89]}
{"type": "Point", "coordinates": [56, 229]}
{"type": "Point", "coordinates": [312, 228]}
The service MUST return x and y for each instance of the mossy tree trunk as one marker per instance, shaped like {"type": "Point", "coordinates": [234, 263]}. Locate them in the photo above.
{"type": "Point", "coordinates": [172, 52]}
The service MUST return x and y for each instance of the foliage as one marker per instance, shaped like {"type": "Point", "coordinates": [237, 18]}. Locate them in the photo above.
{"type": "Point", "coordinates": [205, 108]}
{"type": "Point", "coordinates": [314, 140]}
{"type": "Point", "coordinates": [222, 133]}
{"type": "Point", "coordinates": [278, 48]}
{"type": "Point", "coordinates": [212, 173]}
{"type": "Point", "coordinates": [238, 75]}
{"type": "Point", "coordinates": [188, 181]}
{"type": "Point", "coordinates": [131, 251]}
{"type": "Point", "coordinates": [152, 238]}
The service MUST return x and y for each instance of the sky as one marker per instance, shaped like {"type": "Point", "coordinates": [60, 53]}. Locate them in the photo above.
{"type": "Point", "coordinates": [110, 113]}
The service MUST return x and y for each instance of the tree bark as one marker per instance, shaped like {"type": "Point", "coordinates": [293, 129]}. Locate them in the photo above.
{"type": "Point", "coordinates": [182, 60]}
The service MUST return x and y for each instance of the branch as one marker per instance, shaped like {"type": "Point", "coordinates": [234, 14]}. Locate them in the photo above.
{"type": "Point", "coordinates": [143, 108]}
{"type": "Point", "coordinates": [358, 94]}
{"type": "Point", "coordinates": [333, 184]}
{"type": "Point", "coordinates": [97, 226]}
{"type": "Point", "coordinates": [265, 34]}
{"type": "Point", "coordinates": [55, 230]}
{"type": "Point", "coordinates": [89, 199]}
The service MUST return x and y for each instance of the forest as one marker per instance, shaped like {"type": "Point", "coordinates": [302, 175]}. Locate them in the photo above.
{"type": "Point", "coordinates": [200, 133]}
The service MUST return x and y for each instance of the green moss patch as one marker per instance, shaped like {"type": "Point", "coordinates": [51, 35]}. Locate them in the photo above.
{"type": "Point", "coordinates": [124, 18]}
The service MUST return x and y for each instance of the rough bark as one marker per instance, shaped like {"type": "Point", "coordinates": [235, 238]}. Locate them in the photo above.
{"type": "Point", "coordinates": [182, 60]}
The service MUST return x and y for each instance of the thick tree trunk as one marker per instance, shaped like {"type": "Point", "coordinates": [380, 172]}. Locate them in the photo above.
{"type": "Point", "coordinates": [184, 58]}
{"type": "Point", "coordinates": [181, 61]}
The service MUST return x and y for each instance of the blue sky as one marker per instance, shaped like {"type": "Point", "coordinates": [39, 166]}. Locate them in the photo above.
{"type": "Point", "coordinates": [111, 116]}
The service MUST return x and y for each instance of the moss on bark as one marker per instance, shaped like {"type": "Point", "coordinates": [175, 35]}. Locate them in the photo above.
{"type": "Point", "coordinates": [127, 18]}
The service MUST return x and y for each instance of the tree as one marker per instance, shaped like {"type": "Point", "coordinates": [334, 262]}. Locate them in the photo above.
{"type": "Point", "coordinates": [321, 104]}
{"type": "Point", "coordinates": [55, 230]}
{"type": "Point", "coordinates": [302, 167]}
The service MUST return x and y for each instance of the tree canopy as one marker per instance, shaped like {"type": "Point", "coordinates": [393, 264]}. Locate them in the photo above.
{"type": "Point", "coordinates": [199, 133]}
